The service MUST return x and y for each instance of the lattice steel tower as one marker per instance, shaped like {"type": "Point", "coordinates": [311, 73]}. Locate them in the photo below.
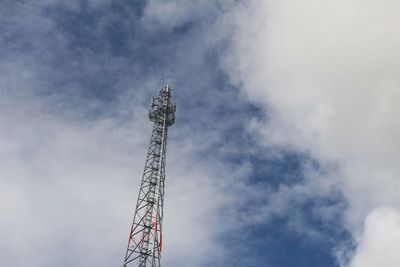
{"type": "Point", "coordinates": [145, 238]}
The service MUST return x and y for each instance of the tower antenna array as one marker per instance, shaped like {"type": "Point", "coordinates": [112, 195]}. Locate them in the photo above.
{"type": "Point", "coordinates": [145, 238]}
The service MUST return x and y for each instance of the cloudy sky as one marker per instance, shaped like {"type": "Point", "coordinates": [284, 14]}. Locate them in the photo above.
{"type": "Point", "coordinates": [285, 149]}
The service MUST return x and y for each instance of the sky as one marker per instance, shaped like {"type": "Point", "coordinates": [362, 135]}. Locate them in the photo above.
{"type": "Point", "coordinates": [284, 152]}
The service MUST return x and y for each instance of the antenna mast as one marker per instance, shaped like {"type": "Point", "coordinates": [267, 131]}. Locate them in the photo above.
{"type": "Point", "coordinates": [145, 238]}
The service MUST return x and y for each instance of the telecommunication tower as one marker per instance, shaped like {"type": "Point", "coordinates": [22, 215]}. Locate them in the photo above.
{"type": "Point", "coordinates": [145, 238]}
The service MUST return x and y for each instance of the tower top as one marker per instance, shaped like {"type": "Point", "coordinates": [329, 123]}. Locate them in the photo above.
{"type": "Point", "coordinates": [166, 88]}
{"type": "Point", "coordinates": [162, 110]}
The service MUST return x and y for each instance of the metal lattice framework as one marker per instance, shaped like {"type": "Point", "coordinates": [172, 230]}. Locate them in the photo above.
{"type": "Point", "coordinates": [145, 238]}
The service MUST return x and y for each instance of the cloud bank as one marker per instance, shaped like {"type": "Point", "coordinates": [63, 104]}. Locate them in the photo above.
{"type": "Point", "coordinates": [326, 73]}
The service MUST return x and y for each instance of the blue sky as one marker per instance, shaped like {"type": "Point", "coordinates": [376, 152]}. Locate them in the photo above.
{"type": "Point", "coordinates": [267, 163]}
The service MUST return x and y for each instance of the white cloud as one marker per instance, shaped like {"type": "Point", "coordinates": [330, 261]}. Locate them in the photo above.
{"type": "Point", "coordinates": [379, 243]}
{"type": "Point", "coordinates": [327, 74]}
